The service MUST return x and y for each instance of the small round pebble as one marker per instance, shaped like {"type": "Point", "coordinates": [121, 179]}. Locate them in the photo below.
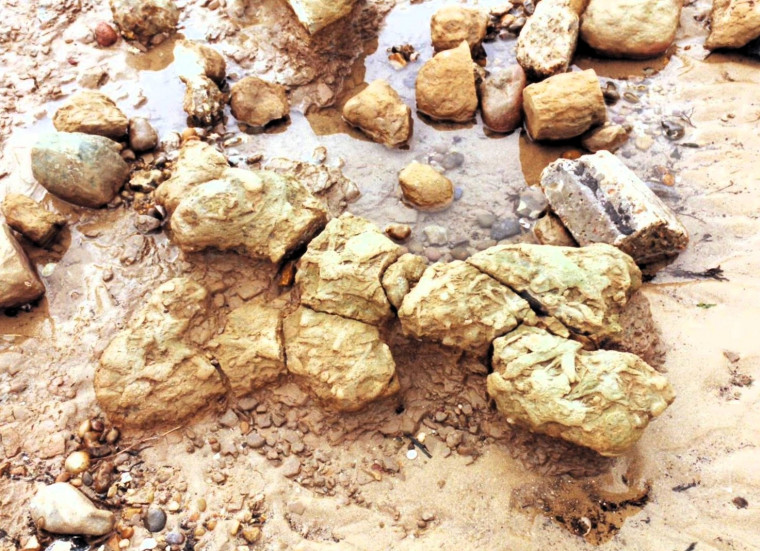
{"type": "Point", "coordinates": [460, 253]}
{"type": "Point", "coordinates": [458, 192]}
{"type": "Point", "coordinates": [485, 220]}
{"type": "Point", "coordinates": [142, 136]}
{"type": "Point", "coordinates": [175, 538]}
{"type": "Point", "coordinates": [452, 160]}
{"type": "Point", "coordinates": [105, 35]}
{"type": "Point", "coordinates": [505, 228]}
{"type": "Point", "coordinates": [155, 520]}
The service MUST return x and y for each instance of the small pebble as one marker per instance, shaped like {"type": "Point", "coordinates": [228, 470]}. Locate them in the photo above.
{"type": "Point", "coordinates": [296, 507]}
{"type": "Point", "coordinates": [155, 520]}
{"type": "Point", "coordinates": [505, 228]}
{"type": "Point", "coordinates": [175, 538]}
{"type": "Point", "coordinates": [252, 534]}
{"type": "Point", "coordinates": [458, 192]}
{"type": "Point", "coordinates": [291, 467]}
{"type": "Point", "coordinates": [485, 220]}
{"type": "Point", "coordinates": [105, 35]}
{"type": "Point", "coordinates": [399, 232]}
{"type": "Point", "coordinates": [77, 462]}
{"type": "Point", "coordinates": [452, 160]}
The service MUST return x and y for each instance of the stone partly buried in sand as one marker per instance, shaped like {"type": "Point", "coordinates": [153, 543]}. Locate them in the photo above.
{"type": "Point", "coordinates": [30, 219]}
{"type": "Point", "coordinates": [501, 98]}
{"type": "Point", "coordinates": [343, 361]}
{"type": "Point", "coordinates": [733, 24]}
{"type": "Point", "coordinates": [602, 400]}
{"type": "Point", "coordinates": [381, 114]}
{"type": "Point", "coordinates": [315, 15]}
{"type": "Point", "coordinates": [425, 189]}
{"type": "Point", "coordinates": [154, 371]}
{"type": "Point", "coordinates": [62, 509]}
{"type": "Point", "coordinates": [144, 19]}
{"type": "Point", "coordinates": [631, 28]}
{"type": "Point", "coordinates": [259, 213]}
{"type": "Point", "coordinates": [564, 106]}
{"type": "Point", "coordinates": [450, 25]}
{"type": "Point", "coordinates": [19, 282]}
{"type": "Point", "coordinates": [257, 102]}
{"type": "Point", "coordinates": [91, 113]}
{"type": "Point", "coordinates": [341, 271]}
{"type": "Point", "coordinates": [445, 86]}
{"type": "Point", "coordinates": [609, 137]}
{"type": "Point", "coordinates": [83, 169]}
{"type": "Point", "coordinates": [547, 42]}
{"type": "Point", "coordinates": [600, 200]}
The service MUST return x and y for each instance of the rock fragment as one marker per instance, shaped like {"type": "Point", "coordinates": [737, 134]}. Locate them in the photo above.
{"type": "Point", "coordinates": [501, 98]}
{"type": "Point", "coordinates": [30, 219]}
{"type": "Point", "coordinates": [549, 230]}
{"type": "Point", "coordinates": [602, 400]}
{"type": "Point", "coordinates": [584, 288]}
{"type": "Point", "coordinates": [459, 306]}
{"type": "Point", "coordinates": [342, 269]}
{"type": "Point", "coordinates": [609, 137]}
{"type": "Point", "coordinates": [600, 200]}
{"type": "Point", "coordinates": [733, 24]}
{"type": "Point", "coordinates": [343, 361]}
{"type": "Point", "coordinates": [80, 168]}
{"type": "Point", "coordinates": [142, 136]}
{"type": "Point", "coordinates": [19, 282]}
{"type": "Point", "coordinates": [450, 25]}
{"type": "Point", "coordinates": [564, 106]}
{"type": "Point", "coordinates": [91, 113]}
{"type": "Point", "coordinates": [402, 276]}
{"type": "Point", "coordinates": [381, 114]}
{"type": "Point", "coordinates": [249, 350]}
{"type": "Point", "coordinates": [154, 371]}
{"type": "Point", "coordinates": [425, 189]}
{"type": "Point", "coordinates": [203, 102]}
{"type": "Point", "coordinates": [62, 509]}
{"type": "Point", "coordinates": [257, 102]}
{"type": "Point", "coordinates": [258, 213]}
{"type": "Point", "coordinates": [631, 28]}
{"type": "Point", "coordinates": [445, 86]}
{"type": "Point", "coordinates": [547, 42]}
{"type": "Point", "coordinates": [194, 58]}
{"type": "Point", "coordinates": [315, 15]}
{"type": "Point", "coordinates": [144, 19]}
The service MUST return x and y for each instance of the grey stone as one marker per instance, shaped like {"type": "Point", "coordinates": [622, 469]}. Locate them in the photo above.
{"type": "Point", "coordinates": [142, 136]}
{"type": "Point", "coordinates": [504, 229]}
{"type": "Point", "coordinates": [532, 204]}
{"type": "Point", "coordinates": [155, 519]}
{"type": "Point", "coordinates": [436, 235]}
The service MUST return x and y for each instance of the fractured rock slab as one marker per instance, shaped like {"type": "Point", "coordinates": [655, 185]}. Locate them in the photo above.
{"type": "Point", "coordinates": [402, 276]}
{"type": "Point", "coordinates": [91, 113]}
{"type": "Point", "coordinates": [445, 86]}
{"type": "Point", "coordinates": [381, 114]}
{"type": "Point", "coordinates": [344, 362]}
{"type": "Point", "coordinates": [547, 42]}
{"type": "Point", "coordinates": [30, 219]}
{"type": "Point", "coordinates": [600, 200]}
{"type": "Point", "coordinates": [19, 282]}
{"type": "Point", "coordinates": [315, 15]}
{"type": "Point", "coordinates": [602, 400]}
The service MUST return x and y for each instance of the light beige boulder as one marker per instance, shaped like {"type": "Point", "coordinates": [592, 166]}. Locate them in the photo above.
{"type": "Point", "coordinates": [154, 371]}
{"type": "Point", "coordinates": [609, 137]}
{"type": "Point", "coordinates": [425, 189]}
{"type": "Point", "coordinates": [602, 400]}
{"type": "Point", "coordinates": [381, 114]}
{"type": "Point", "coordinates": [459, 306]}
{"type": "Point", "coordinates": [501, 98]}
{"type": "Point", "coordinates": [203, 101]}
{"type": "Point", "coordinates": [445, 86]}
{"type": "Point", "coordinates": [631, 28]}
{"type": "Point", "coordinates": [341, 271]}
{"type": "Point", "coordinates": [193, 58]}
{"type": "Point", "coordinates": [315, 15]}
{"type": "Point", "coordinates": [62, 509]}
{"type": "Point", "coordinates": [91, 113]}
{"type": "Point", "coordinates": [344, 362]}
{"type": "Point", "coordinates": [19, 282]}
{"type": "Point", "coordinates": [30, 219]}
{"type": "Point", "coordinates": [257, 102]}
{"type": "Point", "coordinates": [564, 106]}
{"type": "Point", "coordinates": [584, 288]}
{"type": "Point", "coordinates": [258, 213]}
{"type": "Point", "coordinates": [733, 24]}
{"type": "Point", "coordinates": [450, 25]}
{"type": "Point", "coordinates": [547, 42]}
{"type": "Point", "coordinates": [144, 19]}
{"type": "Point", "coordinates": [250, 350]}
{"type": "Point", "coordinates": [402, 276]}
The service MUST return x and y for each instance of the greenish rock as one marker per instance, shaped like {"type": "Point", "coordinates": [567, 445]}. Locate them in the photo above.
{"type": "Point", "coordinates": [82, 169]}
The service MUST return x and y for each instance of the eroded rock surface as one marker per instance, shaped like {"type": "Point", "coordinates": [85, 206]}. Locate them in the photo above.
{"type": "Point", "coordinates": [501, 98]}
{"type": "Point", "coordinates": [733, 24]}
{"type": "Point", "coordinates": [62, 509]}
{"type": "Point", "coordinates": [424, 188]}
{"type": "Point", "coordinates": [144, 19]}
{"type": "Point", "coordinates": [600, 200]}
{"type": "Point", "coordinates": [154, 371]}
{"type": "Point", "coordinates": [344, 362]}
{"type": "Point", "coordinates": [19, 282]}
{"type": "Point", "coordinates": [609, 137]}
{"type": "Point", "coordinates": [257, 102]}
{"type": "Point", "coordinates": [194, 58]}
{"type": "Point", "coordinates": [584, 288]}
{"type": "Point", "coordinates": [402, 276]}
{"type": "Point", "coordinates": [315, 15]}
{"type": "Point", "coordinates": [203, 101]}
{"type": "Point", "coordinates": [381, 114]}
{"type": "Point", "coordinates": [602, 400]}
{"type": "Point", "coordinates": [546, 44]}
{"type": "Point", "coordinates": [31, 220]}
{"type": "Point", "coordinates": [445, 86]}
{"type": "Point", "coordinates": [91, 113]}
{"type": "Point", "coordinates": [450, 25]}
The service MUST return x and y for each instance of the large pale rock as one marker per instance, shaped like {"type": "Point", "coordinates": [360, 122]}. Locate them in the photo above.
{"type": "Point", "coordinates": [564, 106]}
{"type": "Point", "coordinates": [315, 15]}
{"type": "Point", "coordinates": [30, 219]}
{"type": "Point", "coordinates": [547, 42]}
{"type": "Point", "coordinates": [602, 400]}
{"type": "Point", "coordinates": [381, 114]}
{"type": "Point", "coordinates": [250, 350]}
{"type": "Point", "coordinates": [459, 306]}
{"type": "Point", "coordinates": [424, 188]}
{"type": "Point", "coordinates": [91, 113]}
{"type": "Point", "coordinates": [154, 371]}
{"type": "Point", "coordinates": [450, 25]}
{"type": "Point", "coordinates": [445, 86]}
{"type": "Point", "coordinates": [342, 269]}
{"type": "Point", "coordinates": [193, 58]}
{"type": "Point", "coordinates": [631, 28]}
{"type": "Point", "coordinates": [19, 282]}
{"type": "Point", "coordinates": [257, 102]}
{"type": "Point", "coordinates": [144, 19]}
{"type": "Point", "coordinates": [344, 362]}
{"type": "Point", "coordinates": [584, 288]}
{"type": "Point", "coordinates": [258, 213]}
{"type": "Point", "coordinates": [501, 98]}
{"type": "Point", "coordinates": [402, 276]}
{"type": "Point", "coordinates": [733, 24]}
{"type": "Point", "coordinates": [198, 162]}
{"type": "Point", "coordinates": [83, 169]}
{"type": "Point", "coordinates": [203, 101]}
{"type": "Point", "coordinates": [62, 509]}
{"type": "Point", "coordinates": [600, 200]}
